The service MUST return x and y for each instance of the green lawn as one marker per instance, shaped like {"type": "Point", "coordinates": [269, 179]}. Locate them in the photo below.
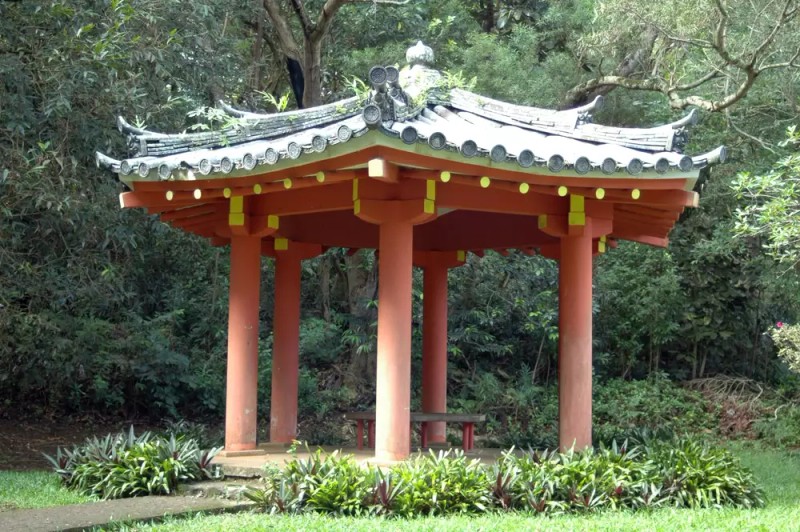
{"type": "Point", "coordinates": [778, 472]}
{"type": "Point", "coordinates": [34, 489]}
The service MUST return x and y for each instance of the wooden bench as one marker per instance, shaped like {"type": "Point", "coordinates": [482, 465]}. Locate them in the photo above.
{"type": "Point", "coordinates": [423, 418]}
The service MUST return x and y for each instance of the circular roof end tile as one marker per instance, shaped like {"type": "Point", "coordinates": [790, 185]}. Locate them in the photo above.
{"type": "Point", "coordinates": [319, 143]}
{"type": "Point", "coordinates": [469, 148]}
{"type": "Point", "coordinates": [409, 135]}
{"type": "Point", "coordinates": [498, 153]}
{"type": "Point", "coordinates": [164, 171]}
{"type": "Point", "coordinates": [205, 166]}
{"type": "Point", "coordinates": [344, 133]}
{"type": "Point", "coordinates": [248, 161]}
{"type": "Point", "coordinates": [662, 165]}
{"type": "Point", "coordinates": [270, 156]}
{"type": "Point", "coordinates": [582, 165]}
{"type": "Point", "coordinates": [525, 158]}
{"type": "Point", "coordinates": [293, 150]}
{"type": "Point", "coordinates": [608, 166]}
{"type": "Point", "coordinates": [437, 141]}
{"type": "Point", "coordinates": [372, 115]}
{"type": "Point", "coordinates": [555, 163]}
{"type": "Point", "coordinates": [635, 166]}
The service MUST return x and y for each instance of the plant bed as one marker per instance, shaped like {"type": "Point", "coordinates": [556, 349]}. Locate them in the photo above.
{"type": "Point", "coordinates": [676, 473]}
{"type": "Point", "coordinates": [125, 465]}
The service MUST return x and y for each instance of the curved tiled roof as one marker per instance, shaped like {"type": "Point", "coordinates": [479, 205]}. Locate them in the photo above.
{"type": "Point", "coordinates": [416, 105]}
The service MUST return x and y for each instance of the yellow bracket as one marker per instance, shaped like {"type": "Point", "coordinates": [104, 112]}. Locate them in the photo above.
{"type": "Point", "coordinates": [236, 211]}
{"type": "Point", "coordinates": [430, 189]}
{"type": "Point", "coordinates": [461, 255]}
{"type": "Point", "coordinates": [355, 189]}
{"type": "Point", "coordinates": [281, 244]}
{"type": "Point", "coordinates": [577, 204]}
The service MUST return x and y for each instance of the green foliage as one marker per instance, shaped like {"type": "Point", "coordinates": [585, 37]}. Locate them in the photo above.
{"type": "Point", "coordinates": [622, 409]}
{"type": "Point", "coordinates": [443, 483]}
{"type": "Point", "coordinates": [125, 465]}
{"type": "Point", "coordinates": [772, 212]}
{"type": "Point", "coordinates": [780, 427]}
{"type": "Point", "coordinates": [787, 340]}
{"type": "Point", "coordinates": [681, 472]}
{"type": "Point", "coordinates": [35, 489]}
{"type": "Point", "coordinates": [696, 475]}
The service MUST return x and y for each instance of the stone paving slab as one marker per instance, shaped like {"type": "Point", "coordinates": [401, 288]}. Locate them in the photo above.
{"type": "Point", "coordinates": [88, 515]}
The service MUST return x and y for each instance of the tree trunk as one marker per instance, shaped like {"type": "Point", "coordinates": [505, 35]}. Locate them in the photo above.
{"type": "Point", "coordinates": [325, 286]}
{"type": "Point", "coordinates": [312, 72]}
{"type": "Point", "coordinates": [362, 285]}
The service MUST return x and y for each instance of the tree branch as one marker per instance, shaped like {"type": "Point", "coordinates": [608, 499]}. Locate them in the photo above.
{"type": "Point", "coordinates": [325, 18]}
{"type": "Point", "coordinates": [732, 66]}
{"type": "Point", "coordinates": [302, 14]}
{"type": "Point", "coordinates": [286, 40]}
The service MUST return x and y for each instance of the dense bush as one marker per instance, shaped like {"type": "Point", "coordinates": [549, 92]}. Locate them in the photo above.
{"type": "Point", "coordinates": [523, 414]}
{"type": "Point", "coordinates": [681, 472]}
{"type": "Point", "coordinates": [622, 408]}
{"type": "Point", "coordinates": [126, 465]}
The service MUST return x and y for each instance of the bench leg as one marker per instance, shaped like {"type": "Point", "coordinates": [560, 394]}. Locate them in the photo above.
{"type": "Point", "coordinates": [471, 436]}
{"type": "Point", "coordinates": [371, 433]}
{"type": "Point", "coordinates": [466, 436]}
{"type": "Point", "coordinates": [360, 434]}
{"type": "Point", "coordinates": [423, 434]}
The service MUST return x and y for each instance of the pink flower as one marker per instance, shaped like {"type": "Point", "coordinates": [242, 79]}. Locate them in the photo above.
{"type": "Point", "coordinates": [779, 324]}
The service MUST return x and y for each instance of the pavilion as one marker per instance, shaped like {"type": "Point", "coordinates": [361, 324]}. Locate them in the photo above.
{"type": "Point", "coordinates": [424, 172]}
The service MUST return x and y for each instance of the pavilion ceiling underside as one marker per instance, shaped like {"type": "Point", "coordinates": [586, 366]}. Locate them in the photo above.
{"type": "Point", "coordinates": [319, 208]}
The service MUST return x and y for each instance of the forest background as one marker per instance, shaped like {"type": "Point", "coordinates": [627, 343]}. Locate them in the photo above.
{"type": "Point", "coordinates": [111, 312]}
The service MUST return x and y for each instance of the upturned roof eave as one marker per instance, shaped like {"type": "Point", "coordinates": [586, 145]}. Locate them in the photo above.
{"type": "Point", "coordinates": [447, 158]}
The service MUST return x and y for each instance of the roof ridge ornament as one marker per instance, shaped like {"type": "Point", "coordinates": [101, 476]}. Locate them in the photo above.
{"type": "Point", "coordinates": [420, 54]}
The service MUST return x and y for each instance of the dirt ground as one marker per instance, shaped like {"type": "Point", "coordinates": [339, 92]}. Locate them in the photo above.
{"type": "Point", "coordinates": [23, 442]}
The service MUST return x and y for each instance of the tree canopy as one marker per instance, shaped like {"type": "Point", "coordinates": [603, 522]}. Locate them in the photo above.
{"type": "Point", "coordinates": [113, 311]}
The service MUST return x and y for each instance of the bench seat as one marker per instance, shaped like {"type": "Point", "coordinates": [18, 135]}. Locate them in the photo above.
{"type": "Point", "coordinates": [423, 418]}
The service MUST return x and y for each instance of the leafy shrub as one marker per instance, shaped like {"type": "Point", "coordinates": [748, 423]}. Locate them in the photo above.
{"type": "Point", "coordinates": [622, 408]}
{"type": "Point", "coordinates": [443, 483]}
{"type": "Point", "coordinates": [126, 465]}
{"type": "Point", "coordinates": [696, 475]}
{"type": "Point", "coordinates": [680, 472]}
{"type": "Point", "coordinates": [780, 426]}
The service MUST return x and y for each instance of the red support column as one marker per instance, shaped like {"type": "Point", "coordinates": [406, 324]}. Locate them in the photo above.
{"type": "Point", "coordinates": [286, 349]}
{"type": "Point", "coordinates": [575, 341]}
{"type": "Point", "coordinates": [242, 382]}
{"type": "Point", "coordinates": [434, 346]}
{"type": "Point", "coordinates": [393, 380]}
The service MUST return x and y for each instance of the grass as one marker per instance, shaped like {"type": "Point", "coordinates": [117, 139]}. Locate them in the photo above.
{"type": "Point", "coordinates": [34, 489]}
{"type": "Point", "coordinates": [778, 473]}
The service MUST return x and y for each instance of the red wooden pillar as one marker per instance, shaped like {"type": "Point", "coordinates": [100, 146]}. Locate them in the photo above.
{"type": "Point", "coordinates": [242, 382]}
{"type": "Point", "coordinates": [286, 337]}
{"type": "Point", "coordinates": [393, 380]}
{"type": "Point", "coordinates": [285, 350]}
{"type": "Point", "coordinates": [396, 220]}
{"type": "Point", "coordinates": [575, 341]}
{"type": "Point", "coordinates": [434, 338]}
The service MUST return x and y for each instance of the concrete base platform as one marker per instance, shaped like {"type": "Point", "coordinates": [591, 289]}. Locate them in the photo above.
{"type": "Point", "coordinates": [252, 466]}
